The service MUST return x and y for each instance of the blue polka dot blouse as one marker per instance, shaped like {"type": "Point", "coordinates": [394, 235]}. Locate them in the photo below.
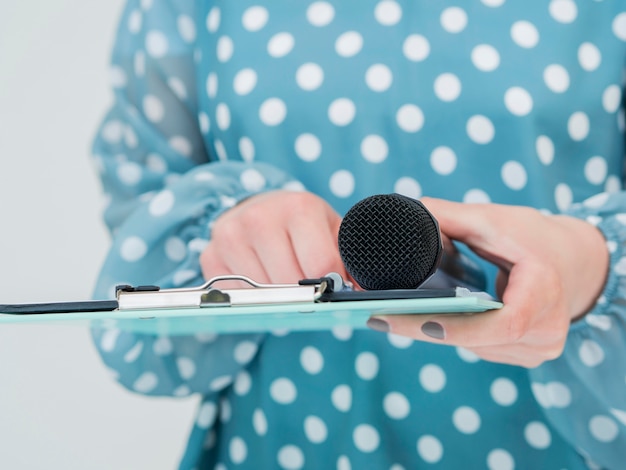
{"type": "Point", "coordinates": [481, 100]}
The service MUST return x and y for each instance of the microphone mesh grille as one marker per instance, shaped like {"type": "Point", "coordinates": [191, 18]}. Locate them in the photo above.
{"type": "Point", "coordinates": [389, 242]}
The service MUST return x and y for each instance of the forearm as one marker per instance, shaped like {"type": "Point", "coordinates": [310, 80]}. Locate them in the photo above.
{"type": "Point", "coordinates": [583, 390]}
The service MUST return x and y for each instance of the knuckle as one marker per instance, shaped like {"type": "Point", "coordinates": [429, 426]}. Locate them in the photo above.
{"type": "Point", "coordinates": [556, 348]}
{"type": "Point", "coordinates": [251, 221]}
{"type": "Point", "coordinates": [532, 363]}
{"type": "Point", "coordinates": [553, 353]}
{"type": "Point", "coordinates": [548, 353]}
{"type": "Point", "coordinates": [225, 230]}
{"type": "Point", "coordinates": [297, 203]}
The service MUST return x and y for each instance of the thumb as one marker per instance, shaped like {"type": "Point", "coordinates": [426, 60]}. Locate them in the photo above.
{"type": "Point", "coordinates": [458, 221]}
{"type": "Point", "coordinates": [476, 225]}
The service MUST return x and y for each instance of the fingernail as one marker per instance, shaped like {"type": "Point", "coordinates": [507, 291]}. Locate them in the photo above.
{"type": "Point", "coordinates": [434, 330]}
{"type": "Point", "coordinates": [378, 324]}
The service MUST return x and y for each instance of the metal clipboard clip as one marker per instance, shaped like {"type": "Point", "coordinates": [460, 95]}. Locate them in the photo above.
{"type": "Point", "coordinates": [326, 290]}
{"type": "Point", "coordinates": [207, 295]}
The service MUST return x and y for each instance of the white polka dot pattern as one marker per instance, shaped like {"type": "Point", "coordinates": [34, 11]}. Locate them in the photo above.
{"type": "Point", "coordinates": [476, 102]}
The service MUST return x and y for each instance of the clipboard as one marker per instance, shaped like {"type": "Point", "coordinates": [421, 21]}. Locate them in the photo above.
{"type": "Point", "coordinates": [312, 304]}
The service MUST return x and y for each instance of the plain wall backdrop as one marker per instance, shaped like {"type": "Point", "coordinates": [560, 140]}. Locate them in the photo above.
{"type": "Point", "coordinates": [59, 407]}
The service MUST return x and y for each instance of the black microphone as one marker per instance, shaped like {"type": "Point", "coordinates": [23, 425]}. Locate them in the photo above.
{"type": "Point", "coordinates": [390, 241]}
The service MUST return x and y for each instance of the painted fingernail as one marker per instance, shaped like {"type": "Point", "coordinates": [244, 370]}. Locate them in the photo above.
{"type": "Point", "coordinates": [378, 325]}
{"type": "Point", "coordinates": [434, 330]}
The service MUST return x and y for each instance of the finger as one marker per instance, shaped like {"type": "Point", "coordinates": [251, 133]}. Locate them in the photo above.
{"type": "Point", "coordinates": [441, 328]}
{"type": "Point", "coordinates": [479, 226]}
{"type": "Point", "coordinates": [211, 264]}
{"type": "Point", "coordinates": [247, 263]}
{"type": "Point", "coordinates": [230, 249]}
{"type": "Point", "coordinates": [213, 267]}
{"type": "Point", "coordinates": [273, 248]}
{"type": "Point", "coordinates": [496, 327]}
{"type": "Point", "coordinates": [461, 221]}
{"type": "Point", "coordinates": [315, 244]}
{"type": "Point", "coordinates": [520, 355]}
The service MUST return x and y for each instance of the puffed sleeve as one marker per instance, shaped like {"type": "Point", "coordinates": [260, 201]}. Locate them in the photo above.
{"type": "Point", "coordinates": [164, 189]}
{"type": "Point", "coordinates": [583, 392]}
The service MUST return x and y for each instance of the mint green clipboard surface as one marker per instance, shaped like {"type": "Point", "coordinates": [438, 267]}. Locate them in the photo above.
{"type": "Point", "coordinates": [264, 318]}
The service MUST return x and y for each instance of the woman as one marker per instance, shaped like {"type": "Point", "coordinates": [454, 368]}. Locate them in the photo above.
{"type": "Point", "coordinates": [240, 131]}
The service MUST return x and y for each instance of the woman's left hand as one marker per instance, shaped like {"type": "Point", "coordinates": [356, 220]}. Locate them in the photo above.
{"type": "Point", "coordinates": [552, 270]}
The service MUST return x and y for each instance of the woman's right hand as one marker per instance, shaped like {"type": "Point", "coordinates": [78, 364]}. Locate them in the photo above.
{"type": "Point", "coordinates": [275, 237]}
